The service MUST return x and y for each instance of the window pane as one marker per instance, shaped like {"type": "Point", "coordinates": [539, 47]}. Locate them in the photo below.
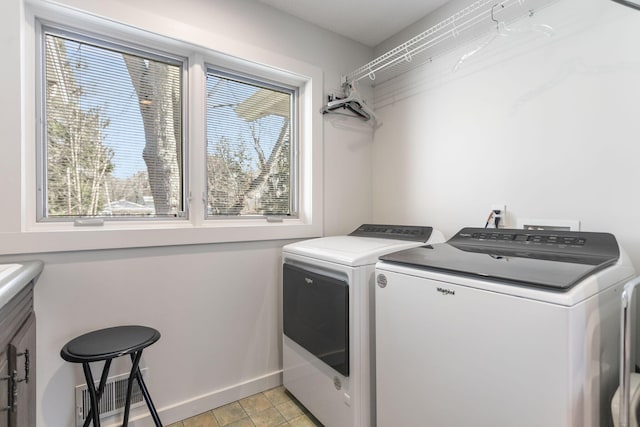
{"type": "Point", "coordinates": [248, 147]}
{"type": "Point", "coordinates": [113, 132]}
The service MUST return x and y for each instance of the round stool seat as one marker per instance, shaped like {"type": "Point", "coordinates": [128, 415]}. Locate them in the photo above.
{"type": "Point", "coordinates": [105, 345]}
{"type": "Point", "coordinates": [109, 343]}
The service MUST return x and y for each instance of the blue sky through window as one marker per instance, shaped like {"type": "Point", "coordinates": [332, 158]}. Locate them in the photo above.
{"type": "Point", "coordinates": [106, 85]}
{"type": "Point", "coordinates": [223, 121]}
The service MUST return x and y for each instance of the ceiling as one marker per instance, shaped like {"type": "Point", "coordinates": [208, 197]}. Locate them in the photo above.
{"type": "Point", "coordinates": [369, 22]}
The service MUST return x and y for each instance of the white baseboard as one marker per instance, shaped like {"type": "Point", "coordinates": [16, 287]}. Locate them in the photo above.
{"type": "Point", "coordinates": [205, 402]}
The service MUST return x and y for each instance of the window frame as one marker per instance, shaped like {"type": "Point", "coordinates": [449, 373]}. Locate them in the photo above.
{"type": "Point", "coordinates": [19, 231]}
{"type": "Point", "coordinates": [45, 28]}
{"type": "Point", "coordinates": [293, 135]}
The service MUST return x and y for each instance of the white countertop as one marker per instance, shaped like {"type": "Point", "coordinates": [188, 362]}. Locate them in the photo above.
{"type": "Point", "coordinates": [15, 276]}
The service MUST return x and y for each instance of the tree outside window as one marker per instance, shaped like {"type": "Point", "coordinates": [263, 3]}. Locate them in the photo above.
{"type": "Point", "coordinates": [114, 140]}
{"type": "Point", "coordinates": [113, 132]}
{"type": "Point", "coordinates": [248, 147]}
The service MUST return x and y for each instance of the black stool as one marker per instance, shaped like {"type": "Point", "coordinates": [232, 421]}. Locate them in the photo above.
{"type": "Point", "coordinates": [107, 344]}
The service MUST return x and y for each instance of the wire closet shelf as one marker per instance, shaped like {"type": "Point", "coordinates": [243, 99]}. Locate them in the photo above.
{"type": "Point", "coordinates": [469, 23]}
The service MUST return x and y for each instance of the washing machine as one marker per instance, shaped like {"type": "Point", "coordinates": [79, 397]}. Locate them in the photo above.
{"type": "Point", "coordinates": [328, 331]}
{"type": "Point", "coordinates": [500, 328]}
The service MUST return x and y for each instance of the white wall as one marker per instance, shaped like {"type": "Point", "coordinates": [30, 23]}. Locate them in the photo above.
{"type": "Point", "coordinates": [220, 322]}
{"type": "Point", "coordinates": [217, 306]}
{"type": "Point", "coordinates": [548, 125]}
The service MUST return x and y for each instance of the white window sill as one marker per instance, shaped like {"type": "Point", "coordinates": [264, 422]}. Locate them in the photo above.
{"type": "Point", "coordinates": [115, 236]}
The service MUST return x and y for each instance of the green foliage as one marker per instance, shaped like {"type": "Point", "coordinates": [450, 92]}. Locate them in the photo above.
{"type": "Point", "coordinates": [239, 186]}
{"type": "Point", "coordinates": [229, 175]}
{"type": "Point", "coordinates": [77, 161]}
{"type": "Point", "coordinates": [275, 199]}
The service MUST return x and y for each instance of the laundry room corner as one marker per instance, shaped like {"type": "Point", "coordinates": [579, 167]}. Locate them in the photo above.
{"type": "Point", "coordinates": [546, 124]}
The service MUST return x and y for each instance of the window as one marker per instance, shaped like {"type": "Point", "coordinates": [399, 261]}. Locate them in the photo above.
{"type": "Point", "coordinates": [112, 141]}
{"type": "Point", "coordinates": [237, 134]}
{"type": "Point", "coordinates": [250, 154]}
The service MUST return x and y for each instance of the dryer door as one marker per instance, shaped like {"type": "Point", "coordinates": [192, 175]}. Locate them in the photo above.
{"type": "Point", "coordinates": [316, 315]}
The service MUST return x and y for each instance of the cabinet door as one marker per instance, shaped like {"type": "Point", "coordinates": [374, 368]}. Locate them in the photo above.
{"type": "Point", "coordinates": [22, 352]}
{"type": "Point", "coordinates": [4, 389]}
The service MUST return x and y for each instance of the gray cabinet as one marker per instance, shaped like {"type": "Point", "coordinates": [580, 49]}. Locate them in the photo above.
{"type": "Point", "coordinates": [4, 389]}
{"type": "Point", "coordinates": [17, 361]}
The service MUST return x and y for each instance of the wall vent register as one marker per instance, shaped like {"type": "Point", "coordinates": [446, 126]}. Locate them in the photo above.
{"type": "Point", "coordinates": [113, 398]}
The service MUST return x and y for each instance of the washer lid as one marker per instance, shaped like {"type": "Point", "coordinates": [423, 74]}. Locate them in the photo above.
{"type": "Point", "coordinates": [548, 259]}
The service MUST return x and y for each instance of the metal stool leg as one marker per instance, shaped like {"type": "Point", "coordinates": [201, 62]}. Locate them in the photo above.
{"type": "Point", "coordinates": [92, 395]}
{"type": "Point", "coordinates": [98, 393]}
{"type": "Point", "coordinates": [135, 359]}
{"type": "Point", "coordinates": [147, 397]}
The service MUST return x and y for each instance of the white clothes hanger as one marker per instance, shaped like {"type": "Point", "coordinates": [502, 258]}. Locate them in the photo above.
{"type": "Point", "coordinates": [353, 102]}
{"type": "Point", "coordinates": [503, 30]}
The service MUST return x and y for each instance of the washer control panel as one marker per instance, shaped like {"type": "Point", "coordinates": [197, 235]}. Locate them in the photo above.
{"type": "Point", "coordinates": [553, 239]}
{"type": "Point", "coordinates": [566, 242]}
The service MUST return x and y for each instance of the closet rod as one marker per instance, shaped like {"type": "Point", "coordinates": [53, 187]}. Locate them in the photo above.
{"type": "Point", "coordinates": [429, 39]}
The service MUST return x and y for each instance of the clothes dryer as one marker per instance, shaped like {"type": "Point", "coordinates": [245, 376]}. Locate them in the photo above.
{"type": "Point", "coordinates": [500, 328]}
{"type": "Point", "coordinates": [328, 330]}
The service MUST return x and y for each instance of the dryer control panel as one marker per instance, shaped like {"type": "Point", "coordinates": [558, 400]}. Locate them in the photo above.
{"type": "Point", "coordinates": [413, 233]}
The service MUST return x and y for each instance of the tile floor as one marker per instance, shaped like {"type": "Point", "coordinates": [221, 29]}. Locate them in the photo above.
{"type": "Point", "coordinates": [271, 408]}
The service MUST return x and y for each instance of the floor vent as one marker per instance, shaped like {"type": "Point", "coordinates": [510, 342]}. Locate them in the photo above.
{"type": "Point", "coordinates": [113, 398]}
